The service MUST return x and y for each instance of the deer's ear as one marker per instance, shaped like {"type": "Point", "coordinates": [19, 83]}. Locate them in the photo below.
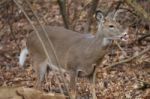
{"type": "Point", "coordinates": [99, 16]}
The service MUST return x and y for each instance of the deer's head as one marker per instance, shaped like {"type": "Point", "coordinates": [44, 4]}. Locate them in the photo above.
{"type": "Point", "coordinates": [108, 27]}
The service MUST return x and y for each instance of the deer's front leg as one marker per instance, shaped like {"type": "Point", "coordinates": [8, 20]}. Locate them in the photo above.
{"type": "Point", "coordinates": [92, 79]}
{"type": "Point", "coordinates": [72, 83]}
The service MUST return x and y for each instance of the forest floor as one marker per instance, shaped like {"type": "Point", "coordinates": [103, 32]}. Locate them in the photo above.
{"type": "Point", "coordinates": [126, 81]}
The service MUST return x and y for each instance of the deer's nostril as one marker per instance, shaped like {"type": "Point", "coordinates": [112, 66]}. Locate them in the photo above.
{"type": "Point", "coordinates": [111, 26]}
{"type": "Point", "coordinates": [124, 37]}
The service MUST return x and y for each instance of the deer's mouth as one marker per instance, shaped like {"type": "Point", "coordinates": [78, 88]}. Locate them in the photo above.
{"type": "Point", "coordinates": [124, 36]}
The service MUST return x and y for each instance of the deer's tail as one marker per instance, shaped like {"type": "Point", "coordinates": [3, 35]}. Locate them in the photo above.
{"type": "Point", "coordinates": [23, 56]}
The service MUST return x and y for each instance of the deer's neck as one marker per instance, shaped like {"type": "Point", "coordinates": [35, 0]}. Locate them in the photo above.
{"type": "Point", "coordinates": [100, 40]}
{"type": "Point", "coordinates": [98, 46]}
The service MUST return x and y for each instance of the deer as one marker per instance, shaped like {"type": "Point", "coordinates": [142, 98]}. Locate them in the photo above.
{"type": "Point", "coordinates": [77, 53]}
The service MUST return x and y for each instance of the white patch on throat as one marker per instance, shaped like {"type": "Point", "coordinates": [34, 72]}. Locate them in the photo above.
{"type": "Point", "coordinates": [105, 42]}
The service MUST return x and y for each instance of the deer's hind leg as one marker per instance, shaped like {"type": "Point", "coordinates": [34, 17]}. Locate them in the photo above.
{"type": "Point", "coordinates": [40, 70]}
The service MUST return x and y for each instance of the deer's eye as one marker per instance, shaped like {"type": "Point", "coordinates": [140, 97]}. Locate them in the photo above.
{"type": "Point", "coordinates": [111, 26]}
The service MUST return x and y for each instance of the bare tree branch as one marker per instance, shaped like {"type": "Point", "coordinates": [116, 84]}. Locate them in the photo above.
{"type": "Point", "coordinates": [139, 10]}
{"type": "Point", "coordinates": [91, 11]}
{"type": "Point", "coordinates": [114, 5]}
{"type": "Point", "coordinates": [129, 59]}
{"type": "Point", "coordinates": [63, 11]}
{"type": "Point", "coordinates": [143, 37]}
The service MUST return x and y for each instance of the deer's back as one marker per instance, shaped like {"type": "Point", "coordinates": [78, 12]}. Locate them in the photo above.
{"type": "Point", "coordinates": [61, 38]}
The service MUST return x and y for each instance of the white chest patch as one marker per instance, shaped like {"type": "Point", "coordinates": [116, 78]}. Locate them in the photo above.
{"type": "Point", "coordinates": [105, 42]}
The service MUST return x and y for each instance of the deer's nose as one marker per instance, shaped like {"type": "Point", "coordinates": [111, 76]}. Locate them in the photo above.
{"type": "Point", "coordinates": [125, 36]}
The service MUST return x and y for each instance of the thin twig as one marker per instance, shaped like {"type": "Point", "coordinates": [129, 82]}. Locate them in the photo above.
{"type": "Point", "coordinates": [129, 59]}
{"type": "Point", "coordinates": [142, 38]}
{"type": "Point", "coordinates": [124, 53]}
{"type": "Point", "coordinates": [138, 9]}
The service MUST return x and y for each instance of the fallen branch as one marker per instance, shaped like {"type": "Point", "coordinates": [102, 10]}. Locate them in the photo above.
{"type": "Point", "coordinates": [143, 37]}
{"type": "Point", "coordinates": [129, 59]}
